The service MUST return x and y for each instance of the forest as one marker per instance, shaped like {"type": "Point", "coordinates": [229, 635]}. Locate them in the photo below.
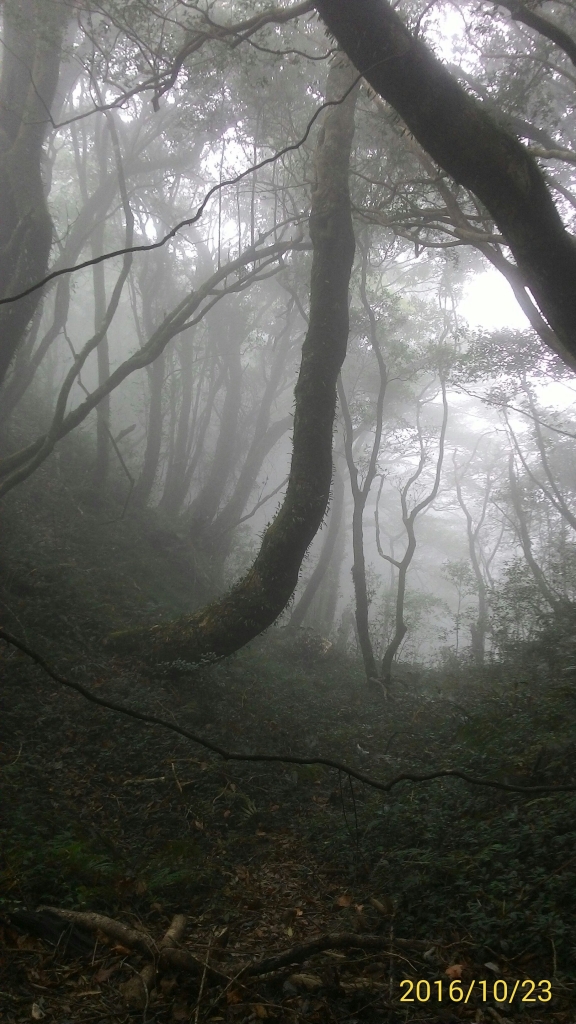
{"type": "Point", "coordinates": [288, 511]}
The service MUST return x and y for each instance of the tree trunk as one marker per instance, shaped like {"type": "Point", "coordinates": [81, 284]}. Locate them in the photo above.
{"type": "Point", "coordinates": [264, 438]}
{"type": "Point", "coordinates": [326, 554]}
{"type": "Point", "coordinates": [103, 361]}
{"type": "Point", "coordinates": [330, 586]}
{"type": "Point", "coordinates": [479, 628]}
{"type": "Point", "coordinates": [32, 37]}
{"type": "Point", "coordinates": [145, 483]}
{"type": "Point", "coordinates": [409, 521]}
{"type": "Point", "coordinates": [228, 335]}
{"type": "Point", "coordinates": [257, 600]}
{"type": "Point", "coordinates": [555, 600]}
{"type": "Point", "coordinates": [174, 494]}
{"type": "Point", "coordinates": [459, 134]}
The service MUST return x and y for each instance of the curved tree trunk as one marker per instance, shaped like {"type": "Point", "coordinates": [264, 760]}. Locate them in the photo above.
{"type": "Point", "coordinates": [361, 490]}
{"type": "Point", "coordinates": [257, 600]}
{"type": "Point", "coordinates": [409, 521]}
{"type": "Point", "coordinates": [465, 140]}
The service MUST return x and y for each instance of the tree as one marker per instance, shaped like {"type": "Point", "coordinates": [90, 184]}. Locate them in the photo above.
{"type": "Point", "coordinates": [458, 133]}
{"type": "Point", "coordinates": [257, 600]}
{"type": "Point", "coordinates": [33, 37]}
{"type": "Point", "coordinates": [200, 339]}
{"type": "Point", "coordinates": [409, 517]}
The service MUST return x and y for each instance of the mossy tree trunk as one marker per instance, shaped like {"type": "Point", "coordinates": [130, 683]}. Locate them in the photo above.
{"type": "Point", "coordinates": [465, 140]}
{"type": "Point", "coordinates": [326, 554]}
{"type": "Point", "coordinates": [256, 601]}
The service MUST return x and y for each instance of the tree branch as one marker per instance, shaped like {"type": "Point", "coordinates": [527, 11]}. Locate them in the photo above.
{"type": "Point", "coordinates": [467, 142]}
{"type": "Point", "coordinates": [189, 220]}
{"type": "Point", "coordinates": [228, 755]}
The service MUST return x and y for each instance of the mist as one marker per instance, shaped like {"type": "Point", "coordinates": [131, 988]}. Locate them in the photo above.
{"type": "Point", "coordinates": [287, 485]}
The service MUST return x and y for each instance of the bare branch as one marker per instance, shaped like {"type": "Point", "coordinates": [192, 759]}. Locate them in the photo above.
{"type": "Point", "coordinates": [189, 220]}
{"type": "Point", "coordinates": [229, 755]}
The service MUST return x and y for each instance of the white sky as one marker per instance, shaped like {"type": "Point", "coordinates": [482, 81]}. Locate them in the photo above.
{"type": "Point", "coordinates": [489, 302]}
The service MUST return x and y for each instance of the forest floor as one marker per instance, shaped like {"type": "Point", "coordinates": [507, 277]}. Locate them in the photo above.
{"type": "Point", "coordinates": [439, 883]}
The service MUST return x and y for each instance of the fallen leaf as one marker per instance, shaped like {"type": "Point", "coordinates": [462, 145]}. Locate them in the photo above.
{"type": "Point", "coordinates": [167, 986]}
{"type": "Point", "coordinates": [180, 1013]}
{"type": "Point", "coordinates": [221, 939]}
{"type": "Point", "coordinates": [36, 1012]}
{"type": "Point", "coordinates": [310, 982]}
{"type": "Point", "coordinates": [454, 971]}
{"type": "Point", "coordinates": [344, 901]}
{"type": "Point", "coordinates": [492, 967]}
{"type": "Point", "coordinates": [383, 906]}
{"type": "Point", "coordinates": [233, 996]}
{"type": "Point", "coordinates": [260, 1011]}
{"type": "Point", "coordinates": [104, 973]}
{"type": "Point", "coordinates": [199, 825]}
{"type": "Point", "coordinates": [134, 992]}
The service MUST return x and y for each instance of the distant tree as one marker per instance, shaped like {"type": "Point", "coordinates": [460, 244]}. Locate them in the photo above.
{"type": "Point", "coordinates": [33, 34]}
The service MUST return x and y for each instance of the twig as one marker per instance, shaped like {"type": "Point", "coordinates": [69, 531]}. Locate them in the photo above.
{"type": "Point", "coordinates": [335, 940]}
{"type": "Point", "coordinates": [189, 221]}
{"type": "Point", "coordinates": [15, 761]}
{"type": "Point", "coordinates": [222, 993]}
{"type": "Point", "coordinates": [165, 954]}
{"type": "Point", "coordinates": [229, 755]}
{"type": "Point", "coordinates": [202, 983]}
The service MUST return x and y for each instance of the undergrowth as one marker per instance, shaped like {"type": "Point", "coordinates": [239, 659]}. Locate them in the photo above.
{"type": "Point", "coordinates": [103, 813]}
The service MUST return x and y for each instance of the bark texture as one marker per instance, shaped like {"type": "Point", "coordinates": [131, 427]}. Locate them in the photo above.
{"type": "Point", "coordinates": [326, 554]}
{"type": "Point", "coordinates": [32, 35]}
{"type": "Point", "coordinates": [256, 601]}
{"type": "Point", "coordinates": [465, 140]}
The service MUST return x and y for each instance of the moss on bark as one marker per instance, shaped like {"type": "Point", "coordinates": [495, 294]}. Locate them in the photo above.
{"type": "Point", "coordinates": [258, 599]}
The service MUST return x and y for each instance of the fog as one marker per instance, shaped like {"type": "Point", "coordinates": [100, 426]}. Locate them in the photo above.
{"type": "Point", "coordinates": [287, 505]}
